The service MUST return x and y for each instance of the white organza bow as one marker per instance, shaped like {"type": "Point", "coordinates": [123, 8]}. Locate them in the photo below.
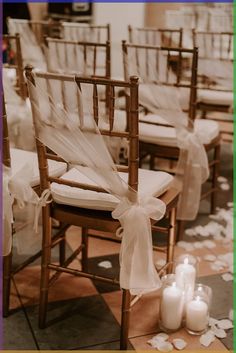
{"type": "Point", "coordinates": [137, 271]}
{"type": "Point", "coordinates": [15, 187]}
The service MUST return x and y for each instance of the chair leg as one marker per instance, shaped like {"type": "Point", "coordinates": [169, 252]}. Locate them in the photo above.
{"type": "Point", "coordinates": [62, 251]}
{"type": "Point", "coordinates": [180, 230]}
{"type": "Point", "coordinates": [125, 318]}
{"type": "Point", "coordinates": [84, 260]}
{"type": "Point", "coordinates": [204, 113]}
{"type": "Point", "coordinates": [152, 162]}
{"type": "Point", "coordinates": [215, 174]}
{"type": "Point", "coordinates": [171, 236]}
{"type": "Point", "coordinates": [7, 269]}
{"type": "Point", "coordinates": [45, 271]}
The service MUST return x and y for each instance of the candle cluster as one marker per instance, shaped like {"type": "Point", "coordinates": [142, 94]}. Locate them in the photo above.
{"type": "Point", "coordinates": [184, 301]}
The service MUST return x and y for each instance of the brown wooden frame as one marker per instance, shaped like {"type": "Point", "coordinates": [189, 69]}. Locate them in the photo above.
{"type": "Point", "coordinates": [97, 221]}
{"type": "Point", "coordinates": [14, 40]}
{"type": "Point", "coordinates": [8, 271]}
{"type": "Point", "coordinates": [172, 153]}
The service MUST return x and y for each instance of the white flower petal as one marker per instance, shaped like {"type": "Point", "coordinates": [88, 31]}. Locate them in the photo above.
{"type": "Point", "coordinates": [209, 257]}
{"type": "Point", "coordinates": [207, 338]}
{"type": "Point", "coordinates": [105, 264]}
{"type": "Point", "coordinates": [225, 324]}
{"type": "Point", "coordinates": [227, 277]}
{"type": "Point", "coordinates": [164, 346]}
{"type": "Point", "coordinates": [179, 343]}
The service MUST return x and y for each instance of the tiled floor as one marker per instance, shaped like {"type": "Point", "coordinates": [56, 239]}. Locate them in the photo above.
{"type": "Point", "coordinates": [86, 315]}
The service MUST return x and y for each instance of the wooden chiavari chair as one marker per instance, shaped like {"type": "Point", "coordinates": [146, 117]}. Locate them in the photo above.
{"type": "Point", "coordinates": [13, 60]}
{"type": "Point", "coordinates": [215, 88]}
{"type": "Point", "coordinates": [85, 32]}
{"type": "Point", "coordinates": [12, 158]}
{"type": "Point", "coordinates": [90, 217]}
{"type": "Point", "coordinates": [161, 145]}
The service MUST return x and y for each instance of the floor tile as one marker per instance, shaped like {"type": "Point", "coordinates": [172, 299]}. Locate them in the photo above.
{"type": "Point", "coordinates": [66, 287]}
{"type": "Point", "coordinates": [16, 332]}
{"type": "Point", "coordinates": [222, 295]}
{"type": "Point", "coordinates": [97, 247]}
{"type": "Point", "coordinates": [112, 272]}
{"type": "Point", "coordinates": [108, 346]}
{"type": "Point", "coordinates": [140, 343]}
{"type": "Point", "coordinates": [228, 341]}
{"type": "Point", "coordinates": [144, 314]}
{"type": "Point", "coordinates": [75, 323]}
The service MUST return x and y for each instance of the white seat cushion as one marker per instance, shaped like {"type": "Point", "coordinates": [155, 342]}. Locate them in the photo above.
{"type": "Point", "coordinates": [21, 157]}
{"type": "Point", "coordinates": [215, 97]}
{"type": "Point", "coordinates": [150, 183]}
{"type": "Point", "coordinates": [166, 136]}
{"type": "Point", "coordinates": [154, 119]}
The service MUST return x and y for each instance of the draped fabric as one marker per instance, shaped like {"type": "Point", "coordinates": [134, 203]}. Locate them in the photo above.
{"type": "Point", "coordinates": [19, 116]}
{"type": "Point", "coordinates": [68, 128]}
{"type": "Point", "coordinates": [31, 52]}
{"type": "Point", "coordinates": [158, 96]}
{"type": "Point", "coordinates": [17, 188]}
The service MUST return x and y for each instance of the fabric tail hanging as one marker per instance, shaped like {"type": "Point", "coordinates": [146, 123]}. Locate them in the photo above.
{"type": "Point", "coordinates": [159, 96]}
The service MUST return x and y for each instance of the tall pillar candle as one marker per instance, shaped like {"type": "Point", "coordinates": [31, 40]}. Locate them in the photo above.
{"type": "Point", "coordinates": [185, 274]}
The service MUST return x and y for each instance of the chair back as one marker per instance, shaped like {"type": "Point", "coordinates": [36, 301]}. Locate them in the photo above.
{"type": "Point", "coordinates": [12, 59]}
{"type": "Point", "coordinates": [152, 65]}
{"type": "Point", "coordinates": [6, 157]}
{"type": "Point", "coordinates": [214, 45]}
{"type": "Point", "coordinates": [67, 88]}
{"type": "Point", "coordinates": [215, 69]}
{"type": "Point", "coordinates": [155, 36]}
{"type": "Point", "coordinates": [85, 58]}
{"type": "Point", "coordinates": [84, 32]}
{"type": "Point", "coordinates": [37, 29]}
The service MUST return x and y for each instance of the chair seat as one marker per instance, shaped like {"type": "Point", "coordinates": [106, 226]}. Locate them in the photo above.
{"type": "Point", "coordinates": [215, 97]}
{"type": "Point", "coordinates": [166, 136]}
{"type": "Point", "coordinates": [20, 157]}
{"type": "Point", "coordinates": [150, 183]}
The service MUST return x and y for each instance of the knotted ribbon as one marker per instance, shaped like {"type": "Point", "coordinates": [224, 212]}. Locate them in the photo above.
{"type": "Point", "coordinates": [15, 187]}
{"type": "Point", "coordinates": [137, 271]}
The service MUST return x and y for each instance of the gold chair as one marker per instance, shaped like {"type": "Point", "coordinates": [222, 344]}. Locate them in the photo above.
{"type": "Point", "coordinates": [83, 213]}
{"type": "Point", "coordinates": [161, 142]}
{"type": "Point", "coordinates": [215, 79]}
{"type": "Point", "coordinates": [215, 89]}
{"type": "Point", "coordinates": [13, 60]}
{"type": "Point", "coordinates": [14, 158]}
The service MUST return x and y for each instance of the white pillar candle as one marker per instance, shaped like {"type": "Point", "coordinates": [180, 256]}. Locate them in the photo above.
{"type": "Point", "coordinates": [171, 309]}
{"type": "Point", "coordinates": [185, 275]}
{"type": "Point", "coordinates": [196, 315]}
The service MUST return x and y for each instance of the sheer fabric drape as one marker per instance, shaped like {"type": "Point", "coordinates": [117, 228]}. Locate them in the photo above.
{"type": "Point", "coordinates": [158, 96]}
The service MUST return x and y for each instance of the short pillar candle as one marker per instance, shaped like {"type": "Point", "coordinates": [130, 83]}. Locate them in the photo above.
{"type": "Point", "coordinates": [197, 315]}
